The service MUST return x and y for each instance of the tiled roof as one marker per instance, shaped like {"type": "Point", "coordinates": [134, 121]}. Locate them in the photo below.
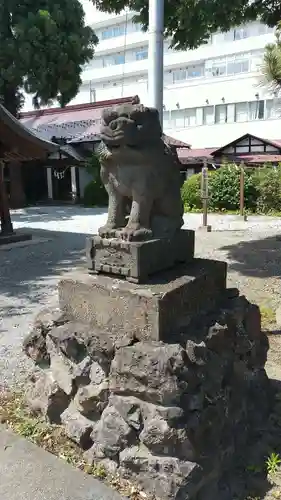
{"type": "Point", "coordinates": [78, 123]}
{"type": "Point", "coordinates": [175, 142]}
{"type": "Point", "coordinates": [19, 142]}
{"type": "Point", "coordinates": [191, 155]}
{"type": "Point", "coordinates": [69, 122]}
{"type": "Point", "coordinates": [258, 158]}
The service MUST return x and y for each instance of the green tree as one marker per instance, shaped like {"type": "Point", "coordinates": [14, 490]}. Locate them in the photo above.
{"type": "Point", "coordinates": [95, 193]}
{"type": "Point", "coordinates": [190, 23]}
{"type": "Point", "coordinates": [271, 68]}
{"type": "Point", "coordinates": [268, 185]}
{"type": "Point", "coordinates": [43, 47]}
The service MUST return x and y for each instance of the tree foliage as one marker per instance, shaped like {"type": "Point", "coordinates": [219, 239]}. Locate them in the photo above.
{"type": "Point", "coordinates": [190, 23]}
{"type": "Point", "coordinates": [43, 47]}
{"type": "Point", "coordinates": [94, 193]}
{"type": "Point", "coordinates": [271, 68]}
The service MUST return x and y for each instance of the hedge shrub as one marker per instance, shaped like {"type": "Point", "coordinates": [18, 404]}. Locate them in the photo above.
{"type": "Point", "coordinates": [262, 189]}
{"type": "Point", "coordinates": [190, 192]}
{"type": "Point", "coordinates": [224, 187]}
{"type": "Point", "coordinates": [268, 185]}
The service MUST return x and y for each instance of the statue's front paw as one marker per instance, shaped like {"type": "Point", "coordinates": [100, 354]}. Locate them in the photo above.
{"type": "Point", "coordinates": [135, 233]}
{"type": "Point", "coordinates": [107, 231]}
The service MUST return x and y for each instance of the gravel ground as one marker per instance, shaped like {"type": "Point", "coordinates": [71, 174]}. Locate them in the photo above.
{"type": "Point", "coordinates": [29, 273]}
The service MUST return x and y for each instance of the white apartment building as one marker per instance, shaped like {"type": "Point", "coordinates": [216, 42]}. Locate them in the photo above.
{"type": "Point", "coordinates": [212, 95]}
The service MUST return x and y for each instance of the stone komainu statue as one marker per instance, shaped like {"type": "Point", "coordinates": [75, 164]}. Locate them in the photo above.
{"type": "Point", "coordinates": [137, 166]}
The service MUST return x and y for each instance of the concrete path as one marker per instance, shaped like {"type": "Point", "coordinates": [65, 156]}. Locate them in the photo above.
{"type": "Point", "coordinates": [30, 473]}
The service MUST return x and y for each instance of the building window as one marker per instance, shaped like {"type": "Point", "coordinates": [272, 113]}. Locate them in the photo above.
{"type": "Point", "coordinates": [166, 119]}
{"type": "Point", "coordinates": [273, 108]}
{"type": "Point", "coordinates": [177, 118]}
{"type": "Point", "coordinates": [181, 118]}
{"type": "Point", "coordinates": [241, 112]}
{"type": "Point", "coordinates": [240, 33]}
{"type": "Point", "coordinates": [216, 68]}
{"type": "Point", "coordinates": [141, 54]}
{"type": "Point", "coordinates": [195, 71]}
{"type": "Point", "coordinates": [190, 117]}
{"type": "Point", "coordinates": [208, 115]}
{"type": "Point", "coordinates": [221, 113]}
{"type": "Point", "coordinates": [238, 66]}
{"type": "Point", "coordinates": [256, 110]}
{"type": "Point", "coordinates": [113, 60]}
{"type": "Point", "coordinates": [232, 65]}
{"type": "Point", "coordinates": [179, 75]}
{"type": "Point", "coordinates": [113, 32]}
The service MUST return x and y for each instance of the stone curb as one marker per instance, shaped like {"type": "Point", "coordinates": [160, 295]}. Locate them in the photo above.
{"type": "Point", "coordinates": [28, 472]}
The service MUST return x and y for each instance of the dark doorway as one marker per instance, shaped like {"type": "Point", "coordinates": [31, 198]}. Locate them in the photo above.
{"type": "Point", "coordinates": [35, 182]}
{"type": "Point", "coordinates": [62, 186]}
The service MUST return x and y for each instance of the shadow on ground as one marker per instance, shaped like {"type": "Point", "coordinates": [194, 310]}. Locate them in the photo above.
{"type": "Point", "coordinates": [249, 479]}
{"type": "Point", "coordinates": [257, 258]}
{"type": "Point", "coordinates": [53, 213]}
{"type": "Point", "coordinates": [29, 272]}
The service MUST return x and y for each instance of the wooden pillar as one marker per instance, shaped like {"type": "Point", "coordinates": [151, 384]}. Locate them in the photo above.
{"type": "Point", "coordinates": [6, 223]}
{"type": "Point", "coordinates": [17, 194]}
{"type": "Point", "coordinates": [242, 189]}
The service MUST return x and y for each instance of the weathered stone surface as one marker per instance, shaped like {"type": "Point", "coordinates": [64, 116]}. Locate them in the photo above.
{"type": "Point", "coordinates": [150, 371]}
{"type": "Point", "coordinates": [77, 427]}
{"type": "Point", "coordinates": [136, 261]}
{"type": "Point", "coordinates": [92, 398]}
{"type": "Point", "coordinates": [45, 396]}
{"type": "Point", "coordinates": [146, 175]}
{"type": "Point", "coordinates": [69, 340]}
{"type": "Point", "coordinates": [97, 373]}
{"type": "Point", "coordinates": [155, 311]}
{"type": "Point", "coordinates": [77, 340]}
{"type": "Point", "coordinates": [130, 410]}
{"type": "Point", "coordinates": [164, 477]}
{"type": "Point", "coordinates": [49, 318]}
{"type": "Point", "coordinates": [149, 410]}
{"type": "Point", "coordinates": [161, 439]}
{"type": "Point", "coordinates": [66, 372]}
{"type": "Point", "coordinates": [278, 316]}
{"type": "Point", "coordinates": [34, 344]}
{"type": "Point", "coordinates": [136, 411]}
{"type": "Point", "coordinates": [112, 434]}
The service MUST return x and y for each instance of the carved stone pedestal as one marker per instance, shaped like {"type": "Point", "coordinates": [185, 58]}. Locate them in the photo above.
{"type": "Point", "coordinates": [136, 261]}
{"type": "Point", "coordinates": [158, 310]}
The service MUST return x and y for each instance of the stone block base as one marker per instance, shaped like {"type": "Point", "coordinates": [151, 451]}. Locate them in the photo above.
{"type": "Point", "coordinates": [158, 310]}
{"type": "Point", "coordinates": [136, 261]}
{"type": "Point", "coordinates": [14, 238]}
{"type": "Point", "coordinates": [169, 417]}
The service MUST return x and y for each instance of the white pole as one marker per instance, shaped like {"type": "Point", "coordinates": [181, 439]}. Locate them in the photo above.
{"type": "Point", "coordinates": [50, 182]}
{"type": "Point", "coordinates": [155, 56]}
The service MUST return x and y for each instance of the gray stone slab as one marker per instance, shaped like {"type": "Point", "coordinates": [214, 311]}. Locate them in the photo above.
{"type": "Point", "coordinates": [137, 260]}
{"type": "Point", "coordinates": [154, 311]}
{"type": "Point", "coordinates": [30, 473]}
